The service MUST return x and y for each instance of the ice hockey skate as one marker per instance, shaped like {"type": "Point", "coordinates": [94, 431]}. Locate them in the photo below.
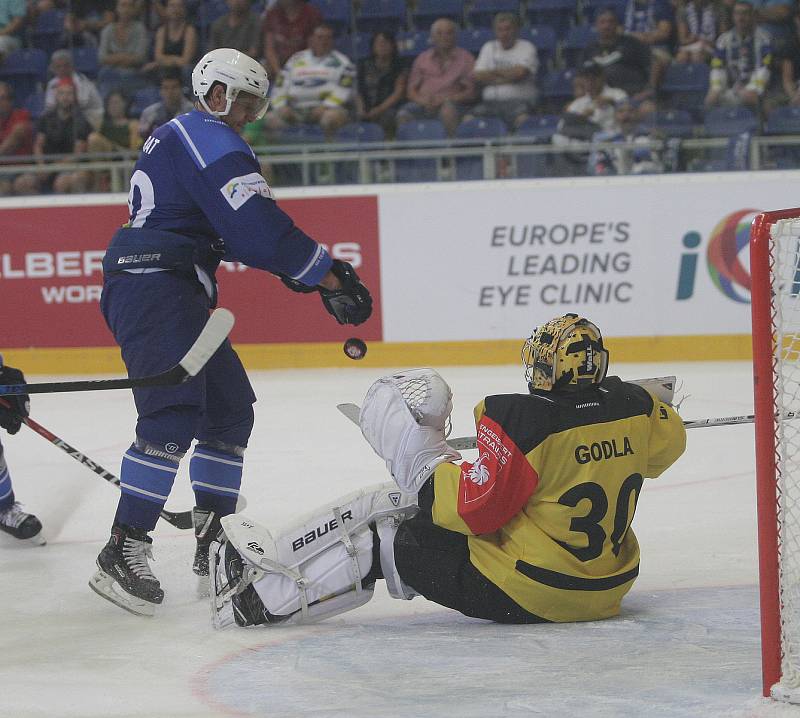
{"type": "Point", "coordinates": [124, 576]}
{"type": "Point", "coordinates": [21, 525]}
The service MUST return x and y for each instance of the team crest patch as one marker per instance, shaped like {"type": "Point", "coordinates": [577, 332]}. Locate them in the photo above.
{"type": "Point", "coordinates": [238, 190]}
{"type": "Point", "coordinates": [478, 473]}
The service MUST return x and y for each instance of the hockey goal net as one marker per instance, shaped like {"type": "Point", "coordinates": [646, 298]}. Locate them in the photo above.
{"type": "Point", "coordinates": [775, 295]}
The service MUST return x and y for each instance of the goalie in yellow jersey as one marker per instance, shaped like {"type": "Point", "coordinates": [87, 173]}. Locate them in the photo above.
{"type": "Point", "coordinates": [536, 529]}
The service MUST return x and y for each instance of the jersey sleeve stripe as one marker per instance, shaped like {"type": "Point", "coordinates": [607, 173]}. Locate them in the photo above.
{"type": "Point", "coordinates": [311, 264]}
{"type": "Point", "coordinates": [556, 579]}
{"type": "Point", "coordinates": [187, 141]}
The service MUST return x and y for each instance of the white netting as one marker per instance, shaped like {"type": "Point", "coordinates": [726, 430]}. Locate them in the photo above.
{"type": "Point", "coordinates": [785, 281]}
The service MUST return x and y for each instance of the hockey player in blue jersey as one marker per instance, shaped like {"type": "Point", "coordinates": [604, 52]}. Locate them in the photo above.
{"type": "Point", "coordinates": [197, 196]}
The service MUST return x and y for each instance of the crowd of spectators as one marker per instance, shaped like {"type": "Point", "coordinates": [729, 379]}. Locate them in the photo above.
{"type": "Point", "coordinates": [604, 71]}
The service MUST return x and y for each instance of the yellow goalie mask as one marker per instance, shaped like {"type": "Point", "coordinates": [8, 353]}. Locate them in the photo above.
{"type": "Point", "coordinates": [566, 352]}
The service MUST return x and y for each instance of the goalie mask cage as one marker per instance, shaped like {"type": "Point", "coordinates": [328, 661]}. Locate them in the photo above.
{"type": "Point", "coordinates": [775, 295]}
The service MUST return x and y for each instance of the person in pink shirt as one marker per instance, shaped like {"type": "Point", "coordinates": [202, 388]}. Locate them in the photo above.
{"type": "Point", "coordinates": [441, 83]}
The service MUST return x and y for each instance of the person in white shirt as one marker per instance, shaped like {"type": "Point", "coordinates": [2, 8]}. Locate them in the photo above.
{"type": "Point", "coordinates": [506, 71]}
{"type": "Point", "coordinates": [89, 100]}
{"type": "Point", "coordinates": [316, 86]}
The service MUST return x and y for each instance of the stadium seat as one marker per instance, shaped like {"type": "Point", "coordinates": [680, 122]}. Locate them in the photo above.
{"type": "Point", "coordinates": [470, 167]}
{"type": "Point", "coordinates": [685, 85]}
{"type": "Point", "coordinates": [590, 8]}
{"type": "Point", "coordinates": [559, 14]}
{"type": "Point", "coordinates": [671, 123]}
{"type": "Point", "coordinates": [539, 129]}
{"type": "Point", "coordinates": [356, 46]}
{"type": "Point", "coordinates": [47, 30]}
{"type": "Point", "coordinates": [482, 12]}
{"type": "Point", "coordinates": [25, 71]}
{"type": "Point", "coordinates": [427, 11]}
{"type": "Point", "coordinates": [411, 44]}
{"type": "Point", "coordinates": [727, 121]}
{"type": "Point", "coordinates": [35, 104]}
{"type": "Point", "coordinates": [377, 15]}
{"type": "Point", "coordinates": [356, 133]}
{"type": "Point", "coordinates": [544, 38]}
{"type": "Point", "coordinates": [419, 169]}
{"type": "Point", "coordinates": [783, 121]}
{"type": "Point", "coordinates": [143, 98]}
{"type": "Point", "coordinates": [209, 11]}
{"type": "Point", "coordinates": [85, 60]}
{"type": "Point", "coordinates": [557, 86]}
{"type": "Point", "coordinates": [473, 39]}
{"type": "Point", "coordinates": [337, 13]}
{"type": "Point", "coordinates": [578, 38]}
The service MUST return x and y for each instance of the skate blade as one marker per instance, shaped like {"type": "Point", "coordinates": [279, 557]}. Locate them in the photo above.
{"type": "Point", "coordinates": [104, 585]}
{"type": "Point", "coordinates": [37, 540]}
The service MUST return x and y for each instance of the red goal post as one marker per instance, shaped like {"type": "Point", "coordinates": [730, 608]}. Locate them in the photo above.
{"type": "Point", "coordinates": [775, 297]}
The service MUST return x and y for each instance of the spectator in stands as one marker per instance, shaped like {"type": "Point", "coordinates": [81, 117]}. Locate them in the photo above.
{"type": "Point", "coordinates": [175, 42]}
{"type": "Point", "coordinates": [740, 69]}
{"type": "Point", "coordinates": [787, 62]}
{"type": "Point", "coordinates": [506, 71]}
{"type": "Point", "coordinates": [172, 103]}
{"type": "Point", "coordinates": [12, 23]}
{"type": "Point", "coordinates": [699, 23]}
{"type": "Point", "coordinates": [117, 133]}
{"type": "Point", "coordinates": [16, 134]}
{"type": "Point", "coordinates": [87, 18]}
{"type": "Point", "coordinates": [774, 17]}
{"type": "Point", "coordinates": [382, 81]}
{"type": "Point", "coordinates": [123, 49]}
{"type": "Point", "coordinates": [625, 60]}
{"type": "Point", "coordinates": [61, 131]}
{"type": "Point", "coordinates": [316, 86]}
{"type": "Point", "coordinates": [89, 100]}
{"type": "Point", "coordinates": [440, 84]}
{"type": "Point", "coordinates": [239, 28]}
{"type": "Point", "coordinates": [286, 29]}
{"type": "Point", "coordinates": [652, 22]}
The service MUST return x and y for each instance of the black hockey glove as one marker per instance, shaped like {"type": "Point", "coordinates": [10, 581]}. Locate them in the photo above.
{"type": "Point", "coordinates": [352, 304]}
{"type": "Point", "coordinates": [11, 419]}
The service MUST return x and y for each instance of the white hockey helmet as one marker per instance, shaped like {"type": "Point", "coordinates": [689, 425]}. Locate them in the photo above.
{"type": "Point", "coordinates": [237, 71]}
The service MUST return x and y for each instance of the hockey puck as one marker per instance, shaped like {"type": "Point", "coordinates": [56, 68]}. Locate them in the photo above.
{"type": "Point", "coordinates": [355, 348]}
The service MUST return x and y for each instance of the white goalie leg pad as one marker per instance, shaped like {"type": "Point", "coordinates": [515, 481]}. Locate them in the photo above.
{"type": "Point", "coordinates": [315, 568]}
{"type": "Point", "coordinates": [403, 418]}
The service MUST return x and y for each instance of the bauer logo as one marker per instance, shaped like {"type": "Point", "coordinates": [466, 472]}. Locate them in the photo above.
{"type": "Point", "coordinates": [727, 258]}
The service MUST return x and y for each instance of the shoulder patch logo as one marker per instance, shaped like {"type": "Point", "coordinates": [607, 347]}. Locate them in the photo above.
{"type": "Point", "coordinates": [394, 497]}
{"type": "Point", "coordinates": [238, 190]}
{"type": "Point", "coordinates": [478, 473]}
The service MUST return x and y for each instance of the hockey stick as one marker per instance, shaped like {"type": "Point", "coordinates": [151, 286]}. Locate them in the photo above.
{"type": "Point", "coordinates": [465, 443]}
{"type": "Point", "coordinates": [180, 520]}
{"type": "Point", "coordinates": [214, 333]}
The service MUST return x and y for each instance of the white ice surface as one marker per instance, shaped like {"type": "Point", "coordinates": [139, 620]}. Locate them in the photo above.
{"type": "Point", "coordinates": [686, 643]}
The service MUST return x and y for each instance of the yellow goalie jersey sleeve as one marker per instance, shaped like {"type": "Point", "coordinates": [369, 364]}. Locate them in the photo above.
{"type": "Point", "coordinates": [548, 503]}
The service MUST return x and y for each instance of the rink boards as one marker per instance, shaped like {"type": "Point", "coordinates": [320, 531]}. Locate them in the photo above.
{"type": "Point", "coordinates": [460, 272]}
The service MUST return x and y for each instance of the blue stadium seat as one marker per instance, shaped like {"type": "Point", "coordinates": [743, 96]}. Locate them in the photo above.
{"type": "Point", "coordinates": [377, 15]}
{"type": "Point", "coordinates": [470, 167]}
{"type": "Point", "coordinates": [337, 13]}
{"type": "Point", "coordinates": [590, 8]}
{"type": "Point", "coordinates": [539, 129]}
{"type": "Point", "coordinates": [301, 134]}
{"type": "Point", "coordinates": [672, 123]}
{"type": "Point", "coordinates": [427, 11]}
{"type": "Point", "coordinates": [356, 133]}
{"type": "Point", "coordinates": [544, 38]}
{"type": "Point", "coordinates": [685, 85]}
{"type": "Point", "coordinates": [356, 46]}
{"type": "Point", "coordinates": [85, 60]}
{"type": "Point", "coordinates": [418, 169]}
{"type": "Point", "coordinates": [557, 85]}
{"type": "Point", "coordinates": [46, 32]}
{"type": "Point", "coordinates": [559, 14]}
{"type": "Point", "coordinates": [143, 98]}
{"type": "Point", "coordinates": [783, 121]}
{"type": "Point", "coordinates": [411, 44]}
{"type": "Point", "coordinates": [209, 11]}
{"type": "Point", "coordinates": [473, 39]}
{"type": "Point", "coordinates": [578, 38]}
{"type": "Point", "coordinates": [482, 12]}
{"type": "Point", "coordinates": [35, 104]}
{"type": "Point", "coordinates": [727, 121]}
{"type": "Point", "coordinates": [25, 71]}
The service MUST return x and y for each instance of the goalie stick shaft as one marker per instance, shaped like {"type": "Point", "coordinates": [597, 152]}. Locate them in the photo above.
{"type": "Point", "coordinates": [214, 333]}
{"type": "Point", "coordinates": [181, 519]}
{"type": "Point", "coordinates": [465, 443]}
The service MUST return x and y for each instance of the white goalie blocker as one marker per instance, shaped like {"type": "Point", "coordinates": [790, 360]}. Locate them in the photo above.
{"type": "Point", "coordinates": [404, 418]}
{"type": "Point", "coordinates": [315, 568]}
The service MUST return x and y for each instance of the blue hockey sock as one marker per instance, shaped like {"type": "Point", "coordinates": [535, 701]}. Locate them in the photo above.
{"type": "Point", "coordinates": [145, 482]}
{"type": "Point", "coordinates": [216, 477]}
{"type": "Point", "coordinates": [6, 490]}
